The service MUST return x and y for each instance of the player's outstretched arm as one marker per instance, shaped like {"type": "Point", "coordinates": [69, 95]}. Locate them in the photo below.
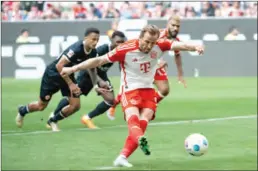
{"type": "Point", "coordinates": [60, 65]}
{"type": "Point", "coordinates": [179, 66]}
{"type": "Point", "coordinates": [178, 62]}
{"type": "Point", "coordinates": [182, 46]}
{"type": "Point", "coordinates": [88, 64]}
{"type": "Point", "coordinates": [75, 90]}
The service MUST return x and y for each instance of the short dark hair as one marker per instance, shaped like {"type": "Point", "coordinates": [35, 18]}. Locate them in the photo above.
{"type": "Point", "coordinates": [118, 33]}
{"type": "Point", "coordinates": [232, 28]}
{"type": "Point", "coordinates": [24, 30]}
{"type": "Point", "coordinates": [91, 30]}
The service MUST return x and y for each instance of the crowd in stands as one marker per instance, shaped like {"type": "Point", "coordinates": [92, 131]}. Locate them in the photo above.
{"type": "Point", "coordinates": [45, 10]}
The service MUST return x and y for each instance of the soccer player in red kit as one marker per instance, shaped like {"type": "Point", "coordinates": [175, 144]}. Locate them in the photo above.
{"type": "Point", "coordinates": [138, 59]}
{"type": "Point", "coordinates": [161, 78]}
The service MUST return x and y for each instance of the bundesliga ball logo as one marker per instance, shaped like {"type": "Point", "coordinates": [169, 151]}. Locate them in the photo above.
{"type": "Point", "coordinates": [196, 144]}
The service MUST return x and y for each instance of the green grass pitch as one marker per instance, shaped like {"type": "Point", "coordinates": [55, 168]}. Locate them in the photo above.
{"type": "Point", "coordinates": [233, 142]}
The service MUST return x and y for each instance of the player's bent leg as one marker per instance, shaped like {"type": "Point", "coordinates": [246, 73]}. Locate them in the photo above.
{"type": "Point", "coordinates": [163, 89]}
{"type": "Point", "coordinates": [135, 131]}
{"type": "Point", "coordinates": [39, 105]}
{"type": "Point", "coordinates": [131, 143]}
{"type": "Point", "coordinates": [86, 120]}
{"type": "Point", "coordinates": [74, 106]}
{"type": "Point", "coordinates": [110, 101]}
{"type": "Point", "coordinates": [130, 146]}
{"type": "Point", "coordinates": [63, 102]}
{"type": "Point", "coordinates": [148, 108]}
{"type": "Point", "coordinates": [136, 136]}
{"type": "Point", "coordinates": [147, 115]}
{"type": "Point", "coordinates": [101, 108]}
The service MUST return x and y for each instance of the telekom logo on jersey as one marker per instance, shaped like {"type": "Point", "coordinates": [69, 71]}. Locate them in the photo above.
{"type": "Point", "coordinates": [145, 67]}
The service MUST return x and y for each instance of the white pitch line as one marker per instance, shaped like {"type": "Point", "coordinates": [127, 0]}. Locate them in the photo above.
{"type": "Point", "coordinates": [205, 120]}
{"type": "Point", "coordinates": [27, 133]}
{"type": "Point", "coordinates": [106, 168]}
{"type": "Point", "coordinates": [18, 133]}
{"type": "Point", "coordinates": [9, 131]}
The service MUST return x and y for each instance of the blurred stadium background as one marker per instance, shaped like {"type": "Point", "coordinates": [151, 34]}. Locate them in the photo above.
{"type": "Point", "coordinates": [221, 84]}
{"type": "Point", "coordinates": [41, 10]}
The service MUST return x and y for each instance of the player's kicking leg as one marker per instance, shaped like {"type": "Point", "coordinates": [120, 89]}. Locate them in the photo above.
{"type": "Point", "coordinates": [137, 124]}
{"type": "Point", "coordinates": [135, 138]}
{"type": "Point", "coordinates": [162, 84]}
{"type": "Point", "coordinates": [130, 145]}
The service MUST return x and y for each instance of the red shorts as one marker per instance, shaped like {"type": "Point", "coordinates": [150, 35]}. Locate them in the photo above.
{"type": "Point", "coordinates": [141, 98]}
{"type": "Point", "coordinates": [161, 74]}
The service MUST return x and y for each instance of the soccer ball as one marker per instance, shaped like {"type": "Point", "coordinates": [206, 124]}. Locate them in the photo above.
{"type": "Point", "coordinates": [196, 144]}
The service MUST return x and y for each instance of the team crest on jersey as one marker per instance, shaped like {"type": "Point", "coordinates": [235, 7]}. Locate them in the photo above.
{"type": "Point", "coordinates": [153, 54]}
{"type": "Point", "coordinates": [70, 53]}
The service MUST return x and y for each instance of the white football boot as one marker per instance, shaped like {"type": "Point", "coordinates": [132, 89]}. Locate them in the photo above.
{"type": "Point", "coordinates": [122, 161]}
{"type": "Point", "coordinates": [19, 120]}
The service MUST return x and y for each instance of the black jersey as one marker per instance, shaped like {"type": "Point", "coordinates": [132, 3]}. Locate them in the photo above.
{"type": "Point", "coordinates": [84, 80]}
{"type": "Point", "coordinates": [75, 54]}
{"type": "Point", "coordinates": [102, 50]}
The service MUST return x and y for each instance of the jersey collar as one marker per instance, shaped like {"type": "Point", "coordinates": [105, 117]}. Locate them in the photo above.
{"type": "Point", "coordinates": [85, 51]}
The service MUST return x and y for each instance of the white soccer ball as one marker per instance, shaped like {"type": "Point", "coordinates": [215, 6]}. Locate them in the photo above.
{"type": "Point", "coordinates": [196, 144]}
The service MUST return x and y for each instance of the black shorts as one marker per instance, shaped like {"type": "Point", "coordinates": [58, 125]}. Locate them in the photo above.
{"type": "Point", "coordinates": [52, 83]}
{"type": "Point", "coordinates": [85, 83]}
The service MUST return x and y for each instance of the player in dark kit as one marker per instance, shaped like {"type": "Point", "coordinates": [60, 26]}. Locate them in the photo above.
{"type": "Point", "coordinates": [52, 81]}
{"type": "Point", "coordinates": [85, 83]}
{"type": "Point", "coordinates": [116, 39]}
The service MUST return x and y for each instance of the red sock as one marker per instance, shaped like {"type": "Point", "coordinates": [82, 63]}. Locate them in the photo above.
{"type": "Point", "coordinates": [129, 147]}
{"type": "Point", "coordinates": [135, 130]}
{"type": "Point", "coordinates": [159, 97]}
{"type": "Point", "coordinates": [143, 125]}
